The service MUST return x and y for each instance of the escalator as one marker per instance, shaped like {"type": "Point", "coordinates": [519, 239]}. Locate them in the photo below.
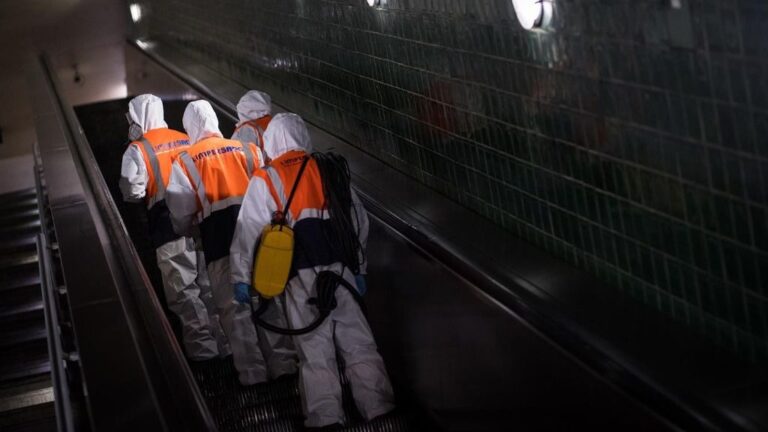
{"type": "Point", "coordinates": [266, 407]}
{"type": "Point", "coordinates": [26, 393]}
{"type": "Point", "coordinates": [451, 352]}
{"type": "Point", "coordinates": [468, 348]}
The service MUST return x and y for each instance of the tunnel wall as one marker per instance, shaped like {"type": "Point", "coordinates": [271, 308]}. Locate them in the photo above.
{"type": "Point", "coordinates": [631, 139]}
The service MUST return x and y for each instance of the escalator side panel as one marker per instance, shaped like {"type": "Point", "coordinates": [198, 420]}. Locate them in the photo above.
{"type": "Point", "coordinates": [472, 365]}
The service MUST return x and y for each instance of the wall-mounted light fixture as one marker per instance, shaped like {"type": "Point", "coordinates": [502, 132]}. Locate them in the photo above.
{"type": "Point", "coordinates": [533, 14]}
{"type": "Point", "coordinates": [374, 3]}
{"type": "Point", "coordinates": [136, 12]}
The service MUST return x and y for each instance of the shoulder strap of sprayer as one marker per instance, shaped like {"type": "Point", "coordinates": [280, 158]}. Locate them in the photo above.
{"type": "Point", "coordinates": [279, 216]}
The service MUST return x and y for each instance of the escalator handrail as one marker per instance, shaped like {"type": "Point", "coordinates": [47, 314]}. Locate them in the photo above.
{"type": "Point", "coordinates": [56, 355]}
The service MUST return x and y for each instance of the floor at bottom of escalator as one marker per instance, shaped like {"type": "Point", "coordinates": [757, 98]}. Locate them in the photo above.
{"type": "Point", "coordinates": [271, 407]}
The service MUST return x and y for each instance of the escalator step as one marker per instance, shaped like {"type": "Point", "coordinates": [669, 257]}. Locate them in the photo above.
{"type": "Point", "coordinates": [268, 407]}
{"type": "Point", "coordinates": [26, 405]}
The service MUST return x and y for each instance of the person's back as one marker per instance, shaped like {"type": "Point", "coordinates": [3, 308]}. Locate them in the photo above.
{"type": "Point", "coordinates": [164, 145]}
{"type": "Point", "coordinates": [145, 173]}
{"type": "Point", "coordinates": [207, 185]}
{"type": "Point", "coordinates": [345, 330]}
{"type": "Point", "coordinates": [221, 165]}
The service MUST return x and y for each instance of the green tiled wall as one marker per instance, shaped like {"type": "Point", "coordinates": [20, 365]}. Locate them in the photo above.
{"type": "Point", "coordinates": [630, 140]}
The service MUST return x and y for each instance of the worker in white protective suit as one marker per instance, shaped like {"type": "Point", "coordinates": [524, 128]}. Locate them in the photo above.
{"type": "Point", "coordinates": [254, 114]}
{"type": "Point", "coordinates": [208, 181]}
{"type": "Point", "coordinates": [345, 330]}
{"type": "Point", "coordinates": [144, 175]}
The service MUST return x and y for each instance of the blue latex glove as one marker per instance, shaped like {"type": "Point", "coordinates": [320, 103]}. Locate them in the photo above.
{"type": "Point", "coordinates": [360, 282]}
{"type": "Point", "coordinates": [242, 293]}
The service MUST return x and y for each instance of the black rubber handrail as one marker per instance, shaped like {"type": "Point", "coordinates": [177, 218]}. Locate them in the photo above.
{"type": "Point", "coordinates": [61, 395]}
{"type": "Point", "coordinates": [56, 354]}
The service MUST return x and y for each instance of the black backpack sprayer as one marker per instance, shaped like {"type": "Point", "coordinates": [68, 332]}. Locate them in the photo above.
{"type": "Point", "coordinates": [274, 255]}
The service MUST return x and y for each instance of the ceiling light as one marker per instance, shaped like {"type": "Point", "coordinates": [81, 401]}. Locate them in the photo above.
{"type": "Point", "coordinates": [135, 12]}
{"type": "Point", "coordinates": [533, 14]}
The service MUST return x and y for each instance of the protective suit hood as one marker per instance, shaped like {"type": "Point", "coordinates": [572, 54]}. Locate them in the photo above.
{"type": "Point", "coordinates": [147, 111]}
{"type": "Point", "coordinates": [200, 121]}
{"type": "Point", "coordinates": [253, 105]}
{"type": "Point", "coordinates": [286, 132]}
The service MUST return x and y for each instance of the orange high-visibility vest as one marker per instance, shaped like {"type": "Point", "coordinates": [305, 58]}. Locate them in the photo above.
{"type": "Point", "coordinates": [259, 125]}
{"type": "Point", "coordinates": [280, 176]}
{"type": "Point", "coordinates": [158, 149]}
{"type": "Point", "coordinates": [218, 170]}
{"type": "Point", "coordinates": [307, 215]}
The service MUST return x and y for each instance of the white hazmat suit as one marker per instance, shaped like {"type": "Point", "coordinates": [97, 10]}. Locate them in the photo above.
{"type": "Point", "coordinates": [185, 282]}
{"type": "Point", "coordinates": [346, 330]}
{"type": "Point", "coordinates": [211, 201]}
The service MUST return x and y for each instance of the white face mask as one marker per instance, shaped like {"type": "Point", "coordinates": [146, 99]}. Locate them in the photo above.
{"type": "Point", "coordinates": [134, 130]}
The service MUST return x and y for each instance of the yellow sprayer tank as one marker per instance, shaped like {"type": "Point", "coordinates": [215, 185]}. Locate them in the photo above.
{"type": "Point", "coordinates": [272, 265]}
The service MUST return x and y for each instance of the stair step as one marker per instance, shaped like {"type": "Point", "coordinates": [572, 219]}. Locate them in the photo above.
{"type": "Point", "coordinates": [25, 397]}
{"type": "Point", "coordinates": [29, 280]}
{"type": "Point", "coordinates": [20, 205]}
{"type": "Point", "coordinates": [10, 197]}
{"type": "Point", "coordinates": [21, 307]}
{"type": "Point", "coordinates": [19, 244]}
{"type": "Point", "coordinates": [24, 361]}
{"type": "Point", "coordinates": [23, 215]}
{"type": "Point", "coordinates": [19, 276]}
{"type": "Point", "coordinates": [20, 331]}
{"type": "Point", "coordinates": [38, 418]}
{"type": "Point", "coordinates": [14, 231]}
{"type": "Point", "coordinates": [30, 368]}
{"type": "Point", "coordinates": [18, 259]}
